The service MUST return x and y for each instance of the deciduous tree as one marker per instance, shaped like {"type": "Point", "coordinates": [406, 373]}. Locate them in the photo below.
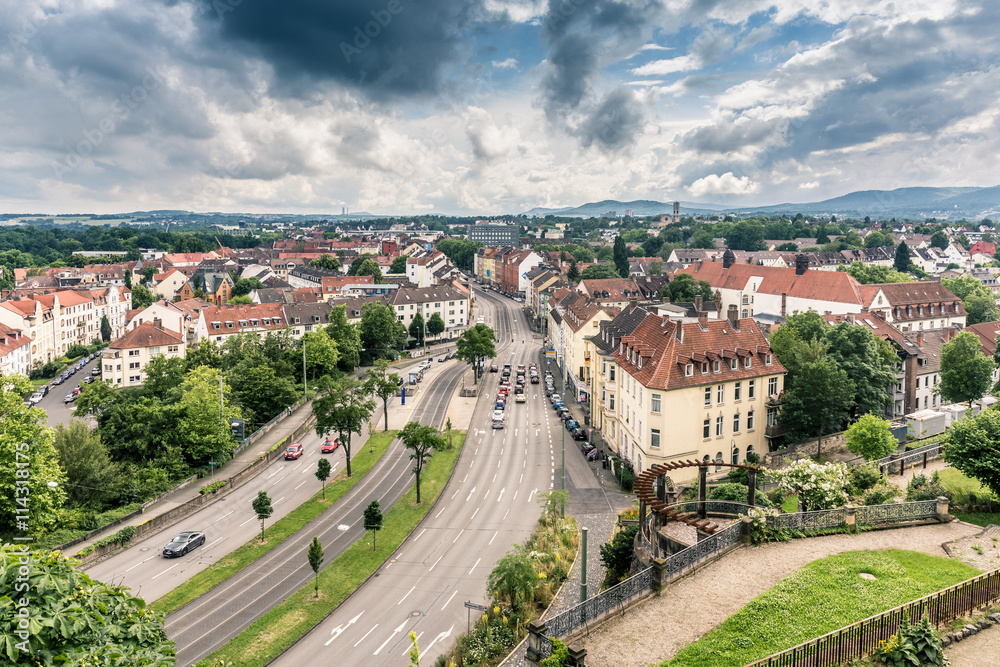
{"type": "Point", "coordinates": [474, 344]}
{"type": "Point", "coordinates": [818, 402]}
{"type": "Point", "coordinates": [971, 447]}
{"type": "Point", "coordinates": [373, 519]}
{"type": "Point", "coordinates": [141, 297]}
{"type": "Point", "coordinates": [512, 581]}
{"type": "Point", "coordinates": [966, 373]}
{"type": "Point", "coordinates": [421, 441]}
{"type": "Point", "coordinates": [383, 384]}
{"type": "Point", "coordinates": [343, 407]}
{"type": "Point", "coordinates": [382, 335]}
{"type": "Point", "coordinates": [871, 438]}
{"type": "Point", "coordinates": [263, 509]}
{"type": "Point", "coordinates": [347, 337]}
{"type": "Point", "coordinates": [326, 261]}
{"type": "Point", "coordinates": [417, 329]}
{"type": "Point", "coordinates": [435, 325]}
{"type": "Point", "coordinates": [323, 473]}
{"type": "Point", "coordinates": [369, 267]}
{"type": "Point", "coordinates": [315, 556]}
{"type": "Point", "coordinates": [599, 272]}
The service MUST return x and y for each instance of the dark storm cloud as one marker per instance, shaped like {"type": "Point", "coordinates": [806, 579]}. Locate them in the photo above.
{"type": "Point", "coordinates": [614, 123]}
{"type": "Point", "coordinates": [387, 48]}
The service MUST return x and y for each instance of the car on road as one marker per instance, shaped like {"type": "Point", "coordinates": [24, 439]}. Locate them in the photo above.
{"type": "Point", "coordinates": [578, 433]}
{"type": "Point", "coordinates": [330, 445]}
{"type": "Point", "coordinates": [183, 543]}
{"type": "Point", "coordinates": [572, 424]}
{"type": "Point", "coordinates": [70, 397]}
{"type": "Point", "coordinates": [88, 379]}
{"type": "Point", "coordinates": [494, 368]}
{"type": "Point", "coordinates": [294, 451]}
{"type": "Point", "coordinates": [76, 390]}
{"type": "Point", "coordinates": [96, 371]}
{"type": "Point", "coordinates": [36, 398]}
{"type": "Point", "coordinates": [443, 358]}
{"type": "Point", "coordinates": [497, 414]}
{"type": "Point", "coordinates": [520, 398]}
{"type": "Point", "coordinates": [58, 380]}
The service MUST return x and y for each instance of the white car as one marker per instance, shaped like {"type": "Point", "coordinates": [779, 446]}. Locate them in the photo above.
{"type": "Point", "coordinates": [498, 415]}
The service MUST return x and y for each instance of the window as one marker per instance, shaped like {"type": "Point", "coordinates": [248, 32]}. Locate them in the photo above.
{"type": "Point", "coordinates": [772, 416]}
{"type": "Point", "coordinates": [715, 366]}
{"type": "Point", "coordinates": [654, 403]}
{"type": "Point", "coordinates": [718, 461]}
{"type": "Point", "coordinates": [612, 369]}
{"type": "Point", "coordinates": [611, 401]}
{"type": "Point", "coordinates": [736, 455]}
{"type": "Point", "coordinates": [927, 380]}
{"type": "Point", "coordinates": [688, 370]}
{"type": "Point", "coordinates": [704, 367]}
{"type": "Point", "coordinates": [133, 365]}
{"type": "Point", "coordinates": [732, 364]}
{"type": "Point", "coordinates": [706, 429]}
{"type": "Point", "coordinates": [772, 386]}
{"type": "Point", "coordinates": [925, 401]}
{"type": "Point", "coordinates": [172, 348]}
{"type": "Point", "coordinates": [133, 353]}
{"type": "Point", "coordinates": [746, 362]}
{"type": "Point", "coordinates": [718, 426]}
{"type": "Point", "coordinates": [749, 422]}
{"type": "Point", "coordinates": [767, 360]}
{"type": "Point", "coordinates": [135, 378]}
{"type": "Point", "coordinates": [737, 391]}
{"type": "Point", "coordinates": [736, 423]}
{"type": "Point", "coordinates": [720, 394]}
{"type": "Point", "coordinates": [708, 395]}
{"type": "Point", "coordinates": [654, 438]}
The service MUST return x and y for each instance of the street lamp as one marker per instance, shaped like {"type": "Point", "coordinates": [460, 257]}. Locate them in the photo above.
{"type": "Point", "coordinates": [562, 510]}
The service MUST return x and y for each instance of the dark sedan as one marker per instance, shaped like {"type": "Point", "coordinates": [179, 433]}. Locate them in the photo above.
{"type": "Point", "coordinates": [183, 543]}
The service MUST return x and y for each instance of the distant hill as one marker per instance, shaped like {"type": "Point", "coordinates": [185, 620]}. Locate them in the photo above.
{"type": "Point", "coordinates": [912, 203]}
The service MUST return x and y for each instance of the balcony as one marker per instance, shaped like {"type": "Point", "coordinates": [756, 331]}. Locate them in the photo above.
{"type": "Point", "coordinates": [775, 399]}
{"type": "Point", "coordinates": [774, 431]}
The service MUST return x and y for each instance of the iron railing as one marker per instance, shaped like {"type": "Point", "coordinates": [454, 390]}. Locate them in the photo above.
{"type": "Point", "coordinates": [862, 638]}
{"type": "Point", "coordinates": [875, 515]}
{"type": "Point", "coordinates": [682, 562]}
{"type": "Point", "coordinates": [599, 606]}
{"type": "Point", "coordinates": [806, 521]}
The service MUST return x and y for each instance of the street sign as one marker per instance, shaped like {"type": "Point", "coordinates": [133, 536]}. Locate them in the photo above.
{"type": "Point", "coordinates": [478, 607]}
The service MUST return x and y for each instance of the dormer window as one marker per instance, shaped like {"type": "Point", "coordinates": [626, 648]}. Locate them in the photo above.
{"type": "Point", "coordinates": [216, 326]}
{"type": "Point", "coordinates": [746, 362]}
{"type": "Point", "coordinates": [688, 370]}
{"type": "Point", "coordinates": [229, 325]}
{"type": "Point", "coordinates": [732, 364]}
{"type": "Point", "coordinates": [767, 360]}
{"type": "Point", "coordinates": [267, 321]}
{"type": "Point", "coordinates": [253, 322]}
{"type": "Point", "coordinates": [277, 320]}
{"type": "Point", "coordinates": [715, 366]}
{"type": "Point", "coordinates": [704, 367]}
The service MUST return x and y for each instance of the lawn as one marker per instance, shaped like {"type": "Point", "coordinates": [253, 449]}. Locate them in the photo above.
{"type": "Point", "coordinates": [960, 486]}
{"type": "Point", "coordinates": [821, 597]}
{"type": "Point", "coordinates": [276, 630]}
{"type": "Point", "coordinates": [278, 532]}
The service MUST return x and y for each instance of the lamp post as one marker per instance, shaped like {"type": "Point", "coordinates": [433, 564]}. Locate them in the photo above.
{"type": "Point", "coordinates": [562, 509]}
{"type": "Point", "coordinates": [305, 381]}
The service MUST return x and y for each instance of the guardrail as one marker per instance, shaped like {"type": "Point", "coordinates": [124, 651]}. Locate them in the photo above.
{"type": "Point", "coordinates": [277, 419]}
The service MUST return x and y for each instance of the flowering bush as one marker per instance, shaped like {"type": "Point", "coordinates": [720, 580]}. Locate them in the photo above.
{"type": "Point", "coordinates": [819, 486]}
{"type": "Point", "coordinates": [760, 531]}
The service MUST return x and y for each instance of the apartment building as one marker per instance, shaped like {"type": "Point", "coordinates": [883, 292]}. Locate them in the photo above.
{"type": "Point", "coordinates": [451, 303]}
{"type": "Point", "coordinates": [217, 323]}
{"type": "Point", "coordinates": [124, 361]}
{"type": "Point", "coordinates": [15, 352]}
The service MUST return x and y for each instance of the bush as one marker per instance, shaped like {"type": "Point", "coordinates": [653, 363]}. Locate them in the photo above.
{"type": "Point", "coordinates": [922, 488]}
{"type": "Point", "coordinates": [122, 537]}
{"type": "Point", "coordinates": [559, 657]}
{"type": "Point", "coordinates": [881, 495]}
{"type": "Point", "coordinates": [862, 478]}
{"type": "Point", "coordinates": [742, 475]}
{"type": "Point", "coordinates": [737, 493]}
{"type": "Point", "coordinates": [76, 350]}
{"type": "Point", "coordinates": [213, 487]}
{"type": "Point", "coordinates": [617, 555]}
{"type": "Point", "coordinates": [916, 644]}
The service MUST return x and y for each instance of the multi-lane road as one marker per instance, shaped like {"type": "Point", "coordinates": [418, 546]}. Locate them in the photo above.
{"type": "Point", "coordinates": [491, 505]}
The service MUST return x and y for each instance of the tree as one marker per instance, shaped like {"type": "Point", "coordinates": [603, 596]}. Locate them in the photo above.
{"type": "Point", "coordinates": [871, 438]}
{"type": "Point", "coordinates": [261, 391]}
{"type": "Point", "coordinates": [417, 329]}
{"type": "Point", "coordinates": [163, 376]}
{"type": "Point", "coordinates": [573, 273]}
{"type": "Point", "coordinates": [74, 620]}
{"type": "Point", "coordinates": [347, 337]}
{"type": "Point", "coordinates": [398, 264]}
{"type": "Point", "coordinates": [28, 461]}
{"type": "Point", "coordinates": [326, 261]}
{"type": "Point", "coordinates": [381, 333]}
{"type": "Point", "coordinates": [902, 261]}
{"type": "Point", "coordinates": [243, 286]}
{"type": "Point", "coordinates": [141, 297]}
{"type": "Point", "coordinates": [966, 373]}
{"type": "Point", "coordinates": [684, 288]}
{"type": "Point", "coordinates": [422, 440]}
{"type": "Point", "coordinates": [971, 447]}
{"type": "Point", "coordinates": [512, 581]}
{"type": "Point", "coordinates": [819, 400]}
{"type": "Point", "coordinates": [321, 352]}
{"type": "Point", "coordinates": [621, 257]}
{"type": "Point", "coordinates": [90, 472]}
{"type": "Point", "coordinates": [128, 278]}
{"type": "Point", "coordinates": [369, 267]}
{"type": "Point", "coordinates": [746, 235]}
{"type": "Point", "coordinates": [343, 407]}
{"type": "Point", "coordinates": [818, 485]}
{"type": "Point", "coordinates": [262, 508]}
{"type": "Point", "coordinates": [315, 553]}
{"type": "Point", "coordinates": [323, 473]}
{"type": "Point", "coordinates": [435, 325]}
{"type": "Point", "coordinates": [981, 309]}
{"type": "Point", "coordinates": [617, 555]}
{"type": "Point", "coordinates": [867, 274]}
{"type": "Point", "coordinates": [868, 361]}
{"type": "Point", "coordinates": [383, 384]}
{"type": "Point", "coordinates": [599, 272]}
{"type": "Point", "coordinates": [474, 344]}
{"type": "Point", "coordinates": [105, 329]}
{"type": "Point", "coordinates": [202, 427]}
{"type": "Point", "coordinates": [414, 651]}
{"type": "Point", "coordinates": [939, 239]}
{"type": "Point", "coordinates": [966, 286]}
{"type": "Point", "coordinates": [373, 519]}
{"type": "Point", "coordinates": [656, 268]}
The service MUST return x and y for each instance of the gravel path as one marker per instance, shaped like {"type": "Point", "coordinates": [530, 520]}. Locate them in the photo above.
{"type": "Point", "coordinates": [658, 628]}
{"type": "Point", "coordinates": [979, 650]}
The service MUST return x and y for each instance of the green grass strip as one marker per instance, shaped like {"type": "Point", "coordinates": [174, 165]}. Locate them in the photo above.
{"type": "Point", "coordinates": [276, 630]}
{"type": "Point", "coordinates": [280, 531]}
{"type": "Point", "coordinates": [821, 597]}
{"type": "Point", "coordinates": [979, 518]}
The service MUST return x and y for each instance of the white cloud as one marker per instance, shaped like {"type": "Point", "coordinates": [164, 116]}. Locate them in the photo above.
{"type": "Point", "coordinates": [669, 66]}
{"type": "Point", "coordinates": [726, 184]}
{"type": "Point", "coordinates": [509, 63]}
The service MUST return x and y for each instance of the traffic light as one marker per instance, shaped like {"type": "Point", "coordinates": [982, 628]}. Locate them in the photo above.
{"type": "Point", "coordinates": [237, 426]}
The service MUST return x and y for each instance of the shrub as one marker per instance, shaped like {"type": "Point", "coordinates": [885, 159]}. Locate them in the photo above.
{"type": "Point", "coordinates": [916, 644]}
{"type": "Point", "coordinates": [922, 488]}
{"type": "Point", "coordinates": [122, 537]}
{"type": "Point", "coordinates": [742, 475]}
{"type": "Point", "coordinates": [819, 486]}
{"type": "Point", "coordinates": [559, 657]}
{"type": "Point", "coordinates": [737, 493]}
{"type": "Point", "coordinates": [213, 487]}
{"type": "Point", "coordinates": [616, 555]}
{"type": "Point", "coordinates": [76, 350]}
{"type": "Point", "coordinates": [881, 495]}
{"type": "Point", "coordinates": [862, 478]}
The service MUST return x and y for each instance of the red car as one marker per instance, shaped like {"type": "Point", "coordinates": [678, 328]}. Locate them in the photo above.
{"type": "Point", "coordinates": [293, 452]}
{"type": "Point", "coordinates": [330, 445]}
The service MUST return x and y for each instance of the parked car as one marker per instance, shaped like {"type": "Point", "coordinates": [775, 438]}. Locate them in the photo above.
{"type": "Point", "coordinates": [43, 390]}
{"type": "Point", "coordinates": [330, 445]}
{"type": "Point", "coordinates": [76, 390]}
{"type": "Point", "coordinates": [88, 379]}
{"type": "Point", "coordinates": [579, 434]}
{"type": "Point", "coordinates": [96, 371]}
{"type": "Point", "coordinates": [443, 358]}
{"type": "Point", "coordinates": [572, 424]}
{"type": "Point", "coordinates": [70, 398]}
{"type": "Point", "coordinates": [293, 452]}
{"type": "Point", "coordinates": [183, 543]}
{"type": "Point", "coordinates": [36, 398]}
{"type": "Point", "coordinates": [494, 368]}
{"type": "Point", "coordinates": [58, 380]}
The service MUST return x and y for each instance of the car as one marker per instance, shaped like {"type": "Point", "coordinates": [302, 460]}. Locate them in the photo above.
{"type": "Point", "coordinates": [96, 371]}
{"type": "Point", "coordinates": [71, 370]}
{"type": "Point", "coordinates": [494, 369]}
{"type": "Point", "coordinates": [36, 398]}
{"type": "Point", "coordinates": [520, 368]}
{"type": "Point", "coordinates": [497, 414]}
{"type": "Point", "coordinates": [76, 390]}
{"type": "Point", "coordinates": [520, 398]}
{"type": "Point", "coordinates": [70, 398]}
{"type": "Point", "coordinates": [500, 405]}
{"type": "Point", "coordinates": [534, 379]}
{"type": "Point", "coordinates": [88, 379]}
{"type": "Point", "coordinates": [443, 359]}
{"type": "Point", "coordinates": [330, 445]}
{"type": "Point", "coordinates": [183, 543]}
{"type": "Point", "coordinates": [497, 423]}
{"type": "Point", "coordinates": [572, 424]}
{"type": "Point", "coordinates": [43, 390]}
{"type": "Point", "coordinates": [293, 452]}
{"type": "Point", "coordinates": [579, 434]}
{"type": "Point", "coordinates": [58, 380]}
{"type": "Point", "coordinates": [64, 377]}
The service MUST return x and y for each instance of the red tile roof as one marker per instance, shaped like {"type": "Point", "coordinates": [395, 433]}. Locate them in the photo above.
{"type": "Point", "coordinates": [834, 286]}
{"type": "Point", "coordinates": [146, 334]}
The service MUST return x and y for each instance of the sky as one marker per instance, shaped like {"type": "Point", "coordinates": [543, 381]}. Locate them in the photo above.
{"type": "Point", "coordinates": [488, 106]}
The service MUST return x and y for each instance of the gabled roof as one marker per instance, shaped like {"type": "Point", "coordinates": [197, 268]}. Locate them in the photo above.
{"type": "Point", "coordinates": [833, 286]}
{"type": "Point", "coordinates": [146, 334]}
{"type": "Point", "coordinates": [235, 319]}
{"type": "Point", "coordinates": [911, 294]}
{"type": "Point", "coordinates": [609, 289]}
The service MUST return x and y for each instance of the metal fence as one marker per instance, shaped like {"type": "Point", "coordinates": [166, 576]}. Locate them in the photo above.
{"type": "Point", "coordinates": [887, 465]}
{"type": "Point", "coordinates": [277, 419]}
{"type": "Point", "coordinates": [862, 638]}
{"type": "Point", "coordinates": [806, 521]}
{"type": "Point", "coordinates": [876, 515]}
{"type": "Point", "coordinates": [684, 561]}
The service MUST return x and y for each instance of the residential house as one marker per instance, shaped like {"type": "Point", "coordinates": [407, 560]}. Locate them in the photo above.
{"type": "Point", "coordinates": [610, 291]}
{"type": "Point", "coordinates": [915, 305]}
{"type": "Point", "coordinates": [15, 352]}
{"type": "Point", "coordinates": [451, 303]}
{"type": "Point", "coordinates": [167, 285]}
{"type": "Point", "coordinates": [124, 361]}
{"type": "Point", "coordinates": [514, 268]}
{"type": "Point", "coordinates": [217, 323]}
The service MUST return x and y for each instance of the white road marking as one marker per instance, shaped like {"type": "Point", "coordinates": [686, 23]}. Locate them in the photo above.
{"type": "Point", "coordinates": [407, 651]}
{"type": "Point", "coordinates": [465, 478]}
{"type": "Point", "coordinates": [505, 514]}
{"type": "Point", "coordinates": [439, 513]}
{"type": "Point", "coordinates": [405, 596]}
{"type": "Point", "coordinates": [435, 563]}
{"type": "Point", "coordinates": [421, 533]}
{"type": "Point", "coordinates": [530, 495]}
{"type": "Point", "coordinates": [442, 635]}
{"type": "Point", "coordinates": [167, 570]}
{"type": "Point", "coordinates": [340, 628]}
{"type": "Point", "coordinates": [273, 474]}
{"type": "Point", "coordinates": [501, 493]}
{"type": "Point", "coordinates": [521, 478]}
{"type": "Point", "coordinates": [394, 633]}
{"type": "Point", "coordinates": [458, 536]}
{"type": "Point", "coordinates": [455, 494]}
{"type": "Point", "coordinates": [366, 634]}
{"type": "Point", "coordinates": [296, 488]}
{"type": "Point", "coordinates": [469, 497]}
{"type": "Point", "coordinates": [248, 521]}
{"type": "Point", "coordinates": [474, 566]}
{"type": "Point", "coordinates": [278, 500]}
{"type": "Point", "coordinates": [491, 540]}
{"type": "Point", "coordinates": [450, 599]}
{"type": "Point", "coordinates": [515, 496]}
{"type": "Point", "coordinates": [474, 514]}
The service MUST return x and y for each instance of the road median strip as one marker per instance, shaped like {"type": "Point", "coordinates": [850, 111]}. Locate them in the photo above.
{"type": "Point", "coordinates": [276, 630]}
{"type": "Point", "coordinates": [230, 564]}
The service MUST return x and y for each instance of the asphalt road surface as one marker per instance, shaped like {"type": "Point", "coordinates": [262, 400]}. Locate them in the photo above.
{"type": "Point", "coordinates": [210, 621]}
{"type": "Point", "coordinates": [491, 505]}
{"type": "Point", "coordinates": [57, 410]}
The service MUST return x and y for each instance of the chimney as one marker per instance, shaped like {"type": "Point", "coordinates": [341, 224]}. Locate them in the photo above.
{"type": "Point", "coordinates": [920, 339]}
{"type": "Point", "coordinates": [157, 322]}
{"type": "Point", "coordinates": [734, 316]}
{"type": "Point", "coordinates": [697, 265]}
{"type": "Point", "coordinates": [728, 258]}
{"type": "Point", "coordinates": [801, 264]}
{"type": "Point", "coordinates": [697, 302]}
{"type": "Point", "coordinates": [703, 321]}
{"type": "Point", "coordinates": [784, 303]}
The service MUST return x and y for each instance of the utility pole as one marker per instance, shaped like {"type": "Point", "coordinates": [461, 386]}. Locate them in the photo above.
{"type": "Point", "coordinates": [305, 391]}
{"type": "Point", "coordinates": [583, 572]}
{"type": "Point", "coordinates": [562, 509]}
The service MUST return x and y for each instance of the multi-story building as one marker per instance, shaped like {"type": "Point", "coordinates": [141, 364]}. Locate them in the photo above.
{"type": "Point", "coordinates": [124, 361]}
{"type": "Point", "coordinates": [707, 391]}
{"type": "Point", "coordinates": [494, 236]}
{"type": "Point", "coordinates": [514, 268]}
{"type": "Point", "coordinates": [217, 323]}
{"type": "Point", "coordinates": [610, 291]}
{"type": "Point", "coordinates": [15, 352]}
{"type": "Point", "coordinates": [111, 302]}
{"type": "Point", "coordinates": [167, 285]}
{"type": "Point", "coordinates": [914, 306]}
{"type": "Point", "coordinates": [451, 303]}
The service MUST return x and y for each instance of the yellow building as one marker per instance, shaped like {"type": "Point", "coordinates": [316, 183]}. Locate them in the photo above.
{"type": "Point", "coordinates": [667, 391]}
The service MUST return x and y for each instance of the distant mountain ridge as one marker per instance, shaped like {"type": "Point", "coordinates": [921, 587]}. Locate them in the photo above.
{"type": "Point", "coordinates": [973, 203]}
